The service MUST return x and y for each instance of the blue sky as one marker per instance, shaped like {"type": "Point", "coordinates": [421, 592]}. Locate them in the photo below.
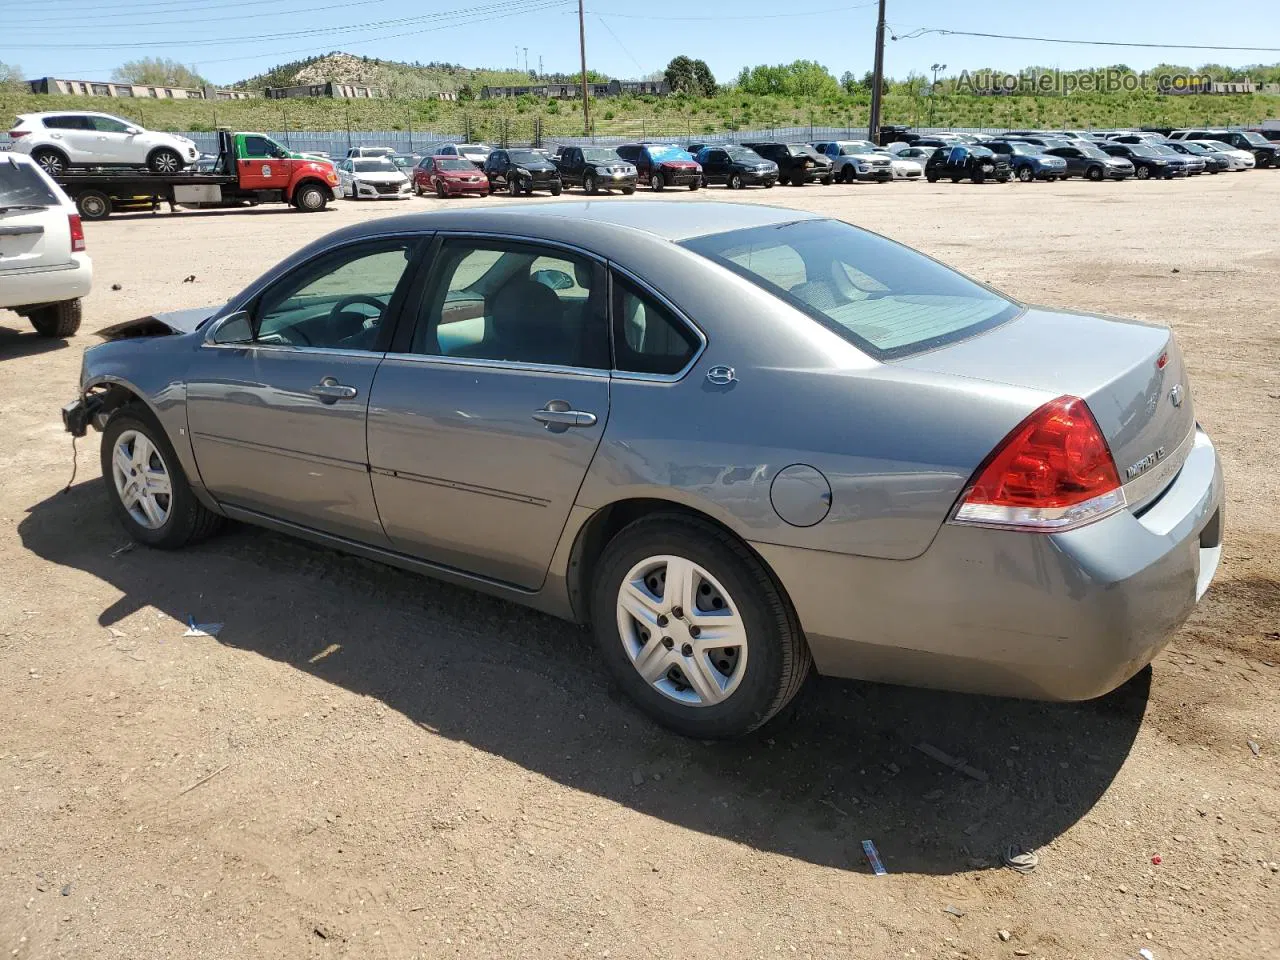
{"type": "Point", "coordinates": [230, 39]}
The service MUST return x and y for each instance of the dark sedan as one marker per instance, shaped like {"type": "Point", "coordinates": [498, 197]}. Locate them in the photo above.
{"type": "Point", "coordinates": [1028, 160]}
{"type": "Point", "coordinates": [736, 167]}
{"type": "Point", "coordinates": [1147, 163]}
{"type": "Point", "coordinates": [1213, 162]}
{"type": "Point", "coordinates": [1087, 161]}
{"type": "Point", "coordinates": [595, 169]}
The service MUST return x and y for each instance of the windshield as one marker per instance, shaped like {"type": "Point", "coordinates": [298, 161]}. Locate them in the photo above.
{"type": "Point", "coordinates": [374, 165]}
{"type": "Point", "coordinates": [1142, 150]}
{"type": "Point", "coordinates": [886, 299]}
{"type": "Point", "coordinates": [21, 186]}
{"type": "Point", "coordinates": [1089, 150]}
{"type": "Point", "coordinates": [526, 156]}
{"type": "Point", "coordinates": [454, 163]}
{"type": "Point", "coordinates": [1162, 151]}
{"type": "Point", "coordinates": [1025, 149]}
{"type": "Point", "coordinates": [1257, 139]}
{"type": "Point", "coordinates": [743, 155]}
{"type": "Point", "coordinates": [600, 155]}
{"type": "Point", "coordinates": [804, 150]}
{"type": "Point", "coordinates": [667, 153]}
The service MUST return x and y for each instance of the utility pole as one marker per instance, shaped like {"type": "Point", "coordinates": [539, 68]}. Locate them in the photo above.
{"type": "Point", "coordinates": [877, 81]}
{"type": "Point", "coordinates": [582, 48]}
{"type": "Point", "coordinates": [540, 74]}
{"type": "Point", "coordinates": [526, 59]}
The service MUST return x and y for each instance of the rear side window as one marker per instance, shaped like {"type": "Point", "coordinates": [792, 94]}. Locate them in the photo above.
{"type": "Point", "coordinates": [69, 122]}
{"type": "Point", "coordinates": [886, 299]}
{"type": "Point", "coordinates": [21, 186]}
{"type": "Point", "coordinates": [648, 337]}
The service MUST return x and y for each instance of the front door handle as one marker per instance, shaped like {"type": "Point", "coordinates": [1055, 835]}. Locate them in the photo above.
{"type": "Point", "coordinates": [559, 416]}
{"type": "Point", "coordinates": [329, 390]}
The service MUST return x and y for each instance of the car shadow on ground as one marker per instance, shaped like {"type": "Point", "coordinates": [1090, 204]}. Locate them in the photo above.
{"type": "Point", "coordinates": [841, 766]}
{"type": "Point", "coordinates": [25, 343]}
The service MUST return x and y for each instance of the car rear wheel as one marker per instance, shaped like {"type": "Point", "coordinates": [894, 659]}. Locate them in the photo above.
{"type": "Point", "coordinates": [1025, 174]}
{"type": "Point", "coordinates": [164, 160]}
{"type": "Point", "coordinates": [146, 485]}
{"type": "Point", "coordinates": [695, 629]}
{"type": "Point", "coordinates": [53, 162]}
{"type": "Point", "coordinates": [1095, 174]}
{"type": "Point", "coordinates": [657, 182]}
{"type": "Point", "coordinates": [56, 319]}
{"type": "Point", "coordinates": [93, 205]}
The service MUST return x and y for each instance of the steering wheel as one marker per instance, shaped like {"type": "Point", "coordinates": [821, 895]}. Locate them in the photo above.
{"type": "Point", "coordinates": [338, 310]}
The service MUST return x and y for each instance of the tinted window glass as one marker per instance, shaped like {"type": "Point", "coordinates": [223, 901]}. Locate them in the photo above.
{"type": "Point", "coordinates": [338, 301]}
{"type": "Point", "coordinates": [20, 185]}
{"type": "Point", "coordinates": [69, 122]}
{"type": "Point", "coordinates": [255, 146]}
{"type": "Point", "coordinates": [518, 303]}
{"type": "Point", "coordinates": [885, 298]}
{"type": "Point", "coordinates": [109, 125]}
{"type": "Point", "coordinates": [647, 337]}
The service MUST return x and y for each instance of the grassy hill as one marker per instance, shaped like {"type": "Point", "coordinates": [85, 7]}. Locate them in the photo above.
{"type": "Point", "coordinates": [412, 104]}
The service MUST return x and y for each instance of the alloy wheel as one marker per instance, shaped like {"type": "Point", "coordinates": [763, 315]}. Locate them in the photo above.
{"type": "Point", "coordinates": [682, 631]}
{"type": "Point", "coordinates": [141, 479]}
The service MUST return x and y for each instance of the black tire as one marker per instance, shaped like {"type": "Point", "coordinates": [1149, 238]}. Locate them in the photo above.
{"type": "Point", "coordinates": [956, 179]}
{"type": "Point", "coordinates": [846, 173]}
{"type": "Point", "coordinates": [1264, 160]}
{"type": "Point", "coordinates": [1095, 174]}
{"type": "Point", "coordinates": [93, 205]}
{"type": "Point", "coordinates": [57, 319]}
{"type": "Point", "coordinates": [978, 176]}
{"type": "Point", "coordinates": [164, 160]}
{"type": "Point", "coordinates": [779, 659]}
{"type": "Point", "coordinates": [1026, 174]}
{"type": "Point", "coordinates": [696, 184]}
{"type": "Point", "coordinates": [189, 520]}
{"type": "Point", "coordinates": [589, 184]}
{"type": "Point", "coordinates": [1003, 178]}
{"type": "Point", "coordinates": [628, 191]}
{"type": "Point", "coordinates": [51, 161]}
{"type": "Point", "coordinates": [556, 190]}
{"type": "Point", "coordinates": [735, 181]}
{"type": "Point", "coordinates": [417, 188]}
{"type": "Point", "coordinates": [825, 181]}
{"type": "Point", "coordinates": [768, 184]}
{"type": "Point", "coordinates": [311, 198]}
{"type": "Point", "coordinates": [798, 180]}
{"type": "Point", "coordinates": [657, 182]}
{"type": "Point", "coordinates": [931, 177]}
{"type": "Point", "coordinates": [1143, 173]}
{"type": "Point", "coordinates": [440, 191]}
{"type": "Point", "coordinates": [513, 187]}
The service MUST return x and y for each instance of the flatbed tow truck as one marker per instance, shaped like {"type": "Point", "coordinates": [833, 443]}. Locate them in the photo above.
{"type": "Point", "coordinates": [250, 169]}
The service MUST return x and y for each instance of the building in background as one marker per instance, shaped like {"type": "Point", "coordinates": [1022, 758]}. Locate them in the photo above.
{"type": "Point", "coordinates": [329, 88]}
{"type": "Point", "coordinates": [572, 91]}
{"type": "Point", "coordinates": [96, 88]}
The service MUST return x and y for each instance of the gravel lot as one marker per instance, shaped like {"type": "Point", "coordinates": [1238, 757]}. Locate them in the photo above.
{"type": "Point", "coordinates": [369, 764]}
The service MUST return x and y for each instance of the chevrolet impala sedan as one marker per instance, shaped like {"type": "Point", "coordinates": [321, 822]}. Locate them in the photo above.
{"type": "Point", "coordinates": [740, 442]}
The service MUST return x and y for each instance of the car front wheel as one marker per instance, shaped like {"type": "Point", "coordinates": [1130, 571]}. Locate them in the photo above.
{"type": "Point", "coordinates": [146, 485]}
{"type": "Point", "coordinates": [1143, 173]}
{"type": "Point", "coordinates": [735, 182]}
{"type": "Point", "coordinates": [1025, 174]}
{"type": "Point", "coordinates": [589, 184]}
{"type": "Point", "coordinates": [657, 182]}
{"type": "Point", "coordinates": [695, 629]}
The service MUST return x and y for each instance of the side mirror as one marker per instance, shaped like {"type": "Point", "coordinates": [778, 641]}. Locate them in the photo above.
{"type": "Point", "coordinates": [132, 131]}
{"type": "Point", "coordinates": [233, 328]}
{"type": "Point", "coordinates": [555, 279]}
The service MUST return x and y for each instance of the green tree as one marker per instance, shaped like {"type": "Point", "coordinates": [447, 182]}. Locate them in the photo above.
{"type": "Point", "coordinates": [704, 79]}
{"type": "Point", "coordinates": [10, 76]}
{"type": "Point", "coordinates": [848, 82]}
{"type": "Point", "coordinates": [157, 71]}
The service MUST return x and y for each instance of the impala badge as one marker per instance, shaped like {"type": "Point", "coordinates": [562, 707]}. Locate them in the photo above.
{"type": "Point", "coordinates": [1145, 464]}
{"type": "Point", "coordinates": [1175, 395]}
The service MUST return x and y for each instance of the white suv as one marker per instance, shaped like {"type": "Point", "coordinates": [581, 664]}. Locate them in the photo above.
{"type": "Point", "coordinates": [57, 141]}
{"type": "Point", "coordinates": [44, 270]}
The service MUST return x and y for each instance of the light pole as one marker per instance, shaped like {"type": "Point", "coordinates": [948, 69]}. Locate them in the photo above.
{"type": "Point", "coordinates": [933, 91]}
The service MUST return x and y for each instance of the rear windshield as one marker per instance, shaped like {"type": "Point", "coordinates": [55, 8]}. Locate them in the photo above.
{"type": "Point", "coordinates": [374, 165]}
{"type": "Point", "coordinates": [21, 186]}
{"type": "Point", "coordinates": [886, 299]}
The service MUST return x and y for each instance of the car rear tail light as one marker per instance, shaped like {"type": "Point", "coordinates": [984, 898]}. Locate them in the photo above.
{"type": "Point", "coordinates": [16, 134]}
{"type": "Point", "coordinates": [77, 233]}
{"type": "Point", "coordinates": [1053, 472]}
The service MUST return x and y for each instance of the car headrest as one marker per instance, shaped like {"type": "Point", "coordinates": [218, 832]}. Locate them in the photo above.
{"type": "Point", "coordinates": [582, 273]}
{"type": "Point", "coordinates": [527, 313]}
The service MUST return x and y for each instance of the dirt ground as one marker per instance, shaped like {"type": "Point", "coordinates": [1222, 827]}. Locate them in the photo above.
{"type": "Point", "coordinates": [369, 764]}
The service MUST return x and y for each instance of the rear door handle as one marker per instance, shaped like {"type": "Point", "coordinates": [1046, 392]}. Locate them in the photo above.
{"type": "Point", "coordinates": [558, 416]}
{"type": "Point", "coordinates": [329, 390]}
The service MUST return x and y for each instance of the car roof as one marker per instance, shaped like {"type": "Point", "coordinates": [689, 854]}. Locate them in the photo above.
{"type": "Point", "coordinates": [74, 113]}
{"type": "Point", "coordinates": [671, 220]}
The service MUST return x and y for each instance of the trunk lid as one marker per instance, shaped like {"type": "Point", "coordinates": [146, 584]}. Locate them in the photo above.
{"type": "Point", "coordinates": [35, 231]}
{"type": "Point", "coordinates": [1143, 405]}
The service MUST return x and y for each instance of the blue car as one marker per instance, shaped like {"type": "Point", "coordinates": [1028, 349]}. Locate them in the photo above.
{"type": "Point", "coordinates": [1028, 160]}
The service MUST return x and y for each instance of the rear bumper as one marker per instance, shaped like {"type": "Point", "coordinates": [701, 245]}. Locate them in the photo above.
{"type": "Point", "coordinates": [38, 285]}
{"type": "Point", "coordinates": [1056, 617]}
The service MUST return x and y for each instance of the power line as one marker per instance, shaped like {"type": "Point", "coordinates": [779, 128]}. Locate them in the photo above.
{"type": "Point", "coordinates": [506, 7]}
{"type": "Point", "coordinates": [112, 22]}
{"type": "Point", "coordinates": [922, 31]}
{"type": "Point", "coordinates": [604, 24]}
{"type": "Point", "coordinates": [747, 16]}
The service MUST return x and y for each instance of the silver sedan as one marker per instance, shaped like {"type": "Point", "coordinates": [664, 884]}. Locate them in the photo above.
{"type": "Point", "coordinates": [738, 441]}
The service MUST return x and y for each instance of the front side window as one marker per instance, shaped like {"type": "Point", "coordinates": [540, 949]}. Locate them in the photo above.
{"type": "Point", "coordinates": [886, 299]}
{"type": "Point", "coordinates": [338, 301]}
{"type": "Point", "coordinates": [109, 125]}
{"type": "Point", "coordinates": [518, 303]}
{"type": "Point", "coordinates": [258, 147]}
{"type": "Point", "coordinates": [647, 337]}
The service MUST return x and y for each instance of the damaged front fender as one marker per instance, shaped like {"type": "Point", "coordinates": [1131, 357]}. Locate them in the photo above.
{"type": "Point", "coordinates": [160, 324]}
